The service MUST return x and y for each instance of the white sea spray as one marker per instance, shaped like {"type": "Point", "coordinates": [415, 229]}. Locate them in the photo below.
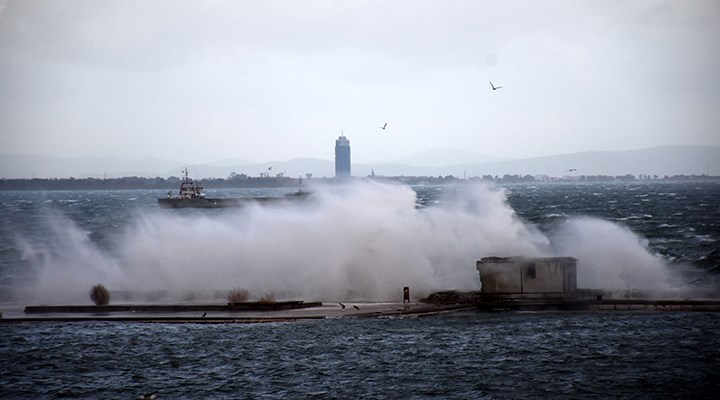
{"type": "Point", "coordinates": [360, 241]}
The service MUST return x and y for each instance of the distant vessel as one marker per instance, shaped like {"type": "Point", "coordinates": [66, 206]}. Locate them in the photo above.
{"type": "Point", "coordinates": [191, 196]}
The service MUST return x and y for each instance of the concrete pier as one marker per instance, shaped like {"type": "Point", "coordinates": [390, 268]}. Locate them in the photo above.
{"type": "Point", "coordinates": [656, 305]}
{"type": "Point", "coordinates": [222, 313]}
{"type": "Point", "coordinates": [438, 303]}
{"type": "Point", "coordinates": [525, 302]}
{"type": "Point", "coordinates": [171, 308]}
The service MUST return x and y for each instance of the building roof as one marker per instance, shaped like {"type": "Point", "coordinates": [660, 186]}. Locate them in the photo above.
{"type": "Point", "coordinates": [515, 259]}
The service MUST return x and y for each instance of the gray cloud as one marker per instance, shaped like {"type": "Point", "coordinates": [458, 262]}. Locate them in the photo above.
{"type": "Point", "coordinates": [272, 80]}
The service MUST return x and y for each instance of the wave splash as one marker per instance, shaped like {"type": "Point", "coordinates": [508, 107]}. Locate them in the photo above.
{"type": "Point", "coordinates": [364, 241]}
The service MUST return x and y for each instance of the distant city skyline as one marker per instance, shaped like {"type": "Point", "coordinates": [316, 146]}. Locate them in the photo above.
{"type": "Point", "coordinates": [664, 160]}
{"type": "Point", "coordinates": [271, 80]}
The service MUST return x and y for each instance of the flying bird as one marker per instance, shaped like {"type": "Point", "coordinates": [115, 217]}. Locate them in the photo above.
{"type": "Point", "coordinates": [494, 87]}
{"type": "Point", "coordinates": [570, 170]}
{"type": "Point", "coordinates": [342, 305]}
{"type": "Point", "coordinates": [204, 315]}
{"type": "Point", "coordinates": [356, 307]}
{"type": "Point", "coordinates": [384, 126]}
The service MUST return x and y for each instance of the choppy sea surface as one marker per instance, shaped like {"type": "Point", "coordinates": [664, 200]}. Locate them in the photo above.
{"type": "Point", "coordinates": [471, 355]}
{"type": "Point", "coordinates": [603, 355]}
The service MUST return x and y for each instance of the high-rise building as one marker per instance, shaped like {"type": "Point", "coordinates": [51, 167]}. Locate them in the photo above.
{"type": "Point", "coordinates": [342, 157]}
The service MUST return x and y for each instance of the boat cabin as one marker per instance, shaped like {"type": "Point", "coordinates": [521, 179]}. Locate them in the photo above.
{"type": "Point", "coordinates": [189, 189]}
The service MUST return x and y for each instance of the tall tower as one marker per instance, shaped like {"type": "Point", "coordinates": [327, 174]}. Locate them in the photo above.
{"type": "Point", "coordinates": [342, 157]}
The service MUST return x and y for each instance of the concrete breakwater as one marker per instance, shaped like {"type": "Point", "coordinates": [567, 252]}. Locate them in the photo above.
{"type": "Point", "coordinates": [285, 311]}
{"type": "Point", "coordinates": [527, 302]}
{"type": "Point", "coordinates": [246, 312]}
{"type": "Point", "coordinates": [172, 308]}
{"type": "Point", "coordinates": [606, 305]}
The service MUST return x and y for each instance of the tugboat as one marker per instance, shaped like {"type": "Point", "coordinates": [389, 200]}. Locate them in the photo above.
{"type": "Point", "coordinates": [191, 196]}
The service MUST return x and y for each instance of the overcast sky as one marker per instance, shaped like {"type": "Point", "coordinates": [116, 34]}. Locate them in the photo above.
{"type": "Point", "coordinates": [200, 81]}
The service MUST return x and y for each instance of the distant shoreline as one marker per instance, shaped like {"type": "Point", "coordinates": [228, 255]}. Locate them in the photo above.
{"type": "Point", "coordinates": [134, 183]}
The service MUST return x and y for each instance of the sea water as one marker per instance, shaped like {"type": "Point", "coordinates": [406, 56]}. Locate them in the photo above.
{"type": "Point", "coordinates": [591, 355]}
{"type": "Point", "coordinates": [53, 244]}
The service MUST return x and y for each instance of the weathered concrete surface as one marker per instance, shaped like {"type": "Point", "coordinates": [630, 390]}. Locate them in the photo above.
{"type": "Point", "coordinates": [527, 274]}
{"type": "Point", "coordinates": [657, 305]}
{"type": "Point", "coordinates": [174, 308]}
{"type": "Point", "coordinates": [445, 302]}
{"type": "Point", "coordinates": [222, 314]}
{"type": "Point", "coordinates": [588, 301]}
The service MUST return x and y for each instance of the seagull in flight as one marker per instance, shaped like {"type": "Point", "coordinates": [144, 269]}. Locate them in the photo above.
{"type": "Point", "coordinates": [384, 126]}
{"type": "Point", "coordinates": [356, 307]}
{"type": "Point", "coordinates": [570, 170]}
{"type": "Point", "coordinates": [342, 305]}
{"type": "Point", "coordinates": [495, 87]}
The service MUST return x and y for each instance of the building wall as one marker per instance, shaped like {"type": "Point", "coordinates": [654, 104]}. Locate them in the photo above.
{"type": "Point", "coordinates": [342, 157]}
{"type": "Point", "coordinates": [528, 275]}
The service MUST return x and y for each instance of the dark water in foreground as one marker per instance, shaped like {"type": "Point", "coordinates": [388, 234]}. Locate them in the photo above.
{"type": "Point", "coordinates": [595, 355]}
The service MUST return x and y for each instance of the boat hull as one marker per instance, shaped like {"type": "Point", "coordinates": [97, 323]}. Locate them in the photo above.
{"type": "Point", "coordinates": [226, 202]}
{"type": "Point", "coordinates": [197, 203]}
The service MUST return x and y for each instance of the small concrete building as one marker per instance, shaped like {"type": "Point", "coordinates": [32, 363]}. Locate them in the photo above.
{"type": "Point", "coordinates": [528, 277]}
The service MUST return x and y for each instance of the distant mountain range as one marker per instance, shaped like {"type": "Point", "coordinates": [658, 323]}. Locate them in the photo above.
{"type": "Point", "coordinates": [661, 161]}
{"type": "Point", "coordinates": [444, 157]}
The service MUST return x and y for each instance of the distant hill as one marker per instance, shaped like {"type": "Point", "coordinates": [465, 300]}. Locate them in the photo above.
{"type": "Point", "coordinates": [443, 157]}
{"type": "Point", "coordinates": [32, 166]}
{"type": "Point", "coordinates": [661, 161]}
